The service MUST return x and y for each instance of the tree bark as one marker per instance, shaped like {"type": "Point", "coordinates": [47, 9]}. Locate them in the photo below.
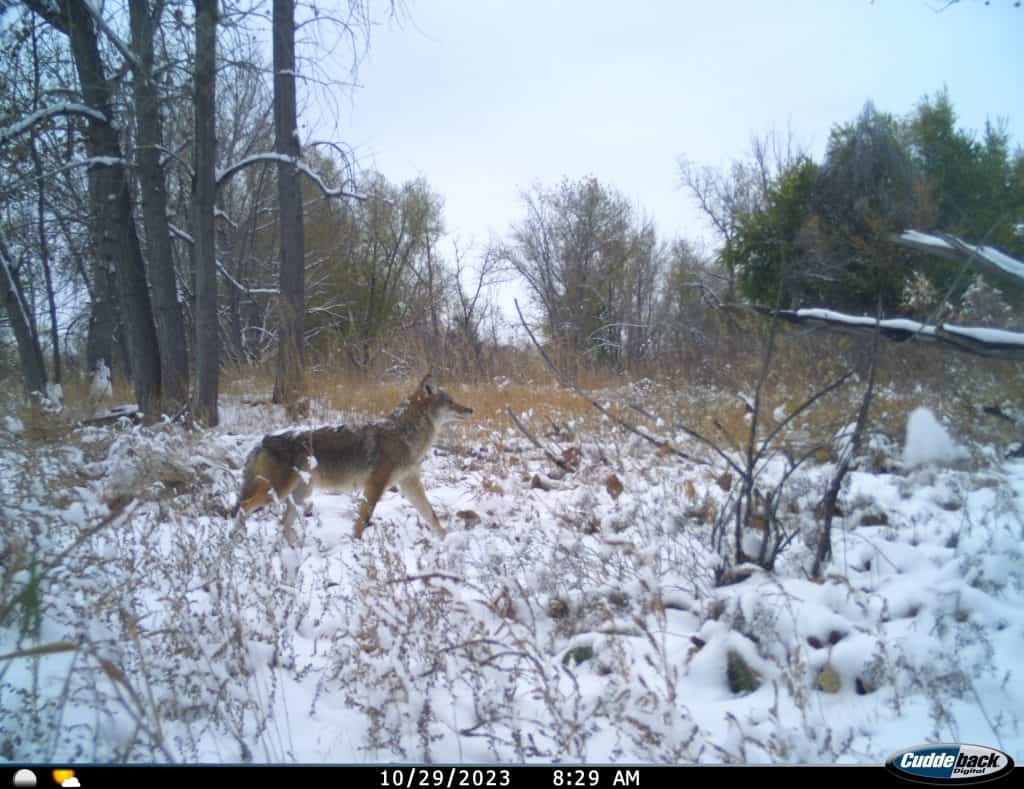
{"type": "Point", "coordinates": [99, 341]}
{"type": "Point", "coordinates": [170, 326]}
{"type": "Point", "coordinates": [291, 305]}
{"type": "Point", "coordinates": [207, 340]}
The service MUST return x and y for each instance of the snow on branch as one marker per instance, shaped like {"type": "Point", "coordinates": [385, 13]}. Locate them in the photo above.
{"type": "Point", "coordinates": [182, 234]}
{"type": "Point", "coordinates": [981, 341]}
{"type": "Point", "coordinates": [301, 166]}
{"type": "Point", "coordinates": [126, 51]}
{"type": "Point", "coordinates": [992, 343]}
{"type": "Point", "coordinates": [40, 115]}
{"type": "Point", "coordinates": [188, 239]}
{"type": "Point", "coordinates": [245, 288]}
{"type": "Point", "coordinates": [988, 259]}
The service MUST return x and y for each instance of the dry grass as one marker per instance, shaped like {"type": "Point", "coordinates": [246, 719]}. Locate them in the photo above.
{"type": "Point", "coordinates": [374, 397]}
{"type": "Point", "coordinates": [804, 362]}
{"type": "Point", "coordinates": [907, 379]}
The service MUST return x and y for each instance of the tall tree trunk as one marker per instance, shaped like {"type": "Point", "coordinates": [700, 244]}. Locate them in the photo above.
{"type": "Point", "coordinates": [29, 353]}
{"type": "Point", "coordinates": [99, 341]}
{"type": "Point", "coordinates": [169, 323]}
{"type": "Point", "coordinates": [207, 342]}
{"type": "Point", "coordinates": [291, 305]}
{"type": "Point", "coordinates": [113, 225]}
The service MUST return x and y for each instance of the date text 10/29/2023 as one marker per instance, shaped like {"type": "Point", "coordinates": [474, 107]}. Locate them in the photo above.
{"type": "Point", "coordinates": [498, 777]}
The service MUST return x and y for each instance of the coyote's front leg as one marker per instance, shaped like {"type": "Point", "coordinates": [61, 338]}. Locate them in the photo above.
{"type": "Point", "coordinates": [412, 488]}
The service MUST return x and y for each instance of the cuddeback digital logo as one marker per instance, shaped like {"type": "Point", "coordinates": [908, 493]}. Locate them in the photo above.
{"type": "Point", "coordinates": [942, 763]}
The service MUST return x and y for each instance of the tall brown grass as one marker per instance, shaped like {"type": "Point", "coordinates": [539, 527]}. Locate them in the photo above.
{"type": "Point", "coordinates": [700, 388]}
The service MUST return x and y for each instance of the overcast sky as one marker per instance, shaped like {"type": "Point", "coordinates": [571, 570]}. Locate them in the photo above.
{"type": "Point", "coordinates": [483, 97]}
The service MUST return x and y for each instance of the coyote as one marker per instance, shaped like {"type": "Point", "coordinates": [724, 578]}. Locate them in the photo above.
{"type": "Point", "coordinates": [289, 465]}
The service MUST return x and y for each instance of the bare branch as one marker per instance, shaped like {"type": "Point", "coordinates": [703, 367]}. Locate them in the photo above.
{"type": "Point", "coordinates": [302, 167]}
{"type": "Point", "coordinates": [44, 113]}
{"type": "Point", "coordinates": [533, 440]}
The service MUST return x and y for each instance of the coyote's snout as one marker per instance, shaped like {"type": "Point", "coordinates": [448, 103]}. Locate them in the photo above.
{"type": "Point", "coordinates": [374, 456]}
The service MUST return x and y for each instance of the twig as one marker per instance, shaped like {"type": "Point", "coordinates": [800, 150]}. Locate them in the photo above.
{"type": "Point", "coordinates": [803, 407]}
{"type": "Point", "coordinates": [547, 452]}
{"type": "Point", "coordinates": [824, 547]}
{"type": "Point", "coordinates": [426, 577]}
{"type": "Point", "coordinates": [694, 434]}
{"type": "Point", "coordinates": [984, 712]}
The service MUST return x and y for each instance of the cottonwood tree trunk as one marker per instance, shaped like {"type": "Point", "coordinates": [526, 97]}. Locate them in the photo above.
{"type": "Point", "coordinates": [113, 225]}
{"type": "Point", "coordinates": [291, 305]}
{"type": "Point", "coordinates": [204, 406]}
{"type": "Point", "coordinates": [99, 340]}
{"type": "Point", "coordinates": [169, 323]}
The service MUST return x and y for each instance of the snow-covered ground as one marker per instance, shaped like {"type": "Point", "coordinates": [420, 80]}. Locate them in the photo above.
{"type": "Point", "coordinates": [578, 618]}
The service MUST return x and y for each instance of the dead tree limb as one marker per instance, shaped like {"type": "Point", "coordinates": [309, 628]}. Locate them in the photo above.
{"type": "Point", "coordinates": [984, 258]}
{"type": "Point", "coordinates": [979, 341]}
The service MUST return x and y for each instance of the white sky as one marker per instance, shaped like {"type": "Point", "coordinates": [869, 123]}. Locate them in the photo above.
{"type": "Point", "coordinates": [483, 97]}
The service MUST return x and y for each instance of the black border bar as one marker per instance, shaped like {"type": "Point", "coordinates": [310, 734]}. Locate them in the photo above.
{"type": "Point", "coordinates": [444, 776]}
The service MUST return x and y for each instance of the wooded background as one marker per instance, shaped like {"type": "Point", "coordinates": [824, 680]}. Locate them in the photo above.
{"type": "Point", "coordinates": [161, 218]}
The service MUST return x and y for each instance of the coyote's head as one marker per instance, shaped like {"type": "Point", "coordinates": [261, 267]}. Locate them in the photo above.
{"type": "Point", "coordinates": [438, 403]}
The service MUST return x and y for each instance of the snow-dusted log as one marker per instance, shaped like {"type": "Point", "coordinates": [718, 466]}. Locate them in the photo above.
{"type": "Point", "coordinates": [993, 343]}
{"type": "Point", "coordinates": [987, 259]}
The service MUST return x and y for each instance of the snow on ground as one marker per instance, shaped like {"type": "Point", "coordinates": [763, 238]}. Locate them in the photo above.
{"type": "Point", "coordinates": [582, 622]}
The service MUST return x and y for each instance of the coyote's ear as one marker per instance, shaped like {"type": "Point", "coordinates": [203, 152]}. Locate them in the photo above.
{"type": "Point", "coordinates": [427, 384]}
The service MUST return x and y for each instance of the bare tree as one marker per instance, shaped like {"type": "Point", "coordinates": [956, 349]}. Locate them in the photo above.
{"type": "Point", "coordinates": [113, 223]}
{"type": "Point", "coordinates": [726, 195]}
{"type": "Point", "coordinates": [590, 266]}
{"type": "Point", "coordinates": [292, 303]}
{"type": "Point", "coordinates": [207, 330]}
{"type": "Point", "coordinates": [471, 304]}
{"type": "Point", "coordinates": [145, 18]}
